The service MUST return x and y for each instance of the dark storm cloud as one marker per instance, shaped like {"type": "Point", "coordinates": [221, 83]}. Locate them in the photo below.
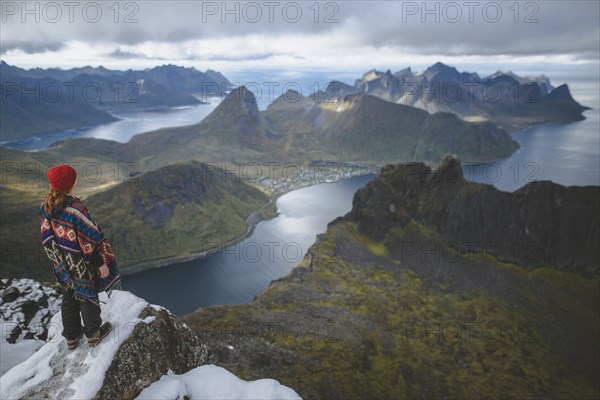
{"type": "Point", "coordinates": [538, 27]}
{"type": "Point", "coordinates": [552, 27]}
{"type": "Point", "coordinates": [124, 55]}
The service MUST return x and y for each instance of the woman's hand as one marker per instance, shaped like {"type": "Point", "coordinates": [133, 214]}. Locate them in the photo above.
{"type": "Point", "coordinates": [103, 271]}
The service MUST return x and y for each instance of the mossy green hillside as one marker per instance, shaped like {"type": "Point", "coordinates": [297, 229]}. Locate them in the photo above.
{"type": "Point", "coordinates": [379, 328]}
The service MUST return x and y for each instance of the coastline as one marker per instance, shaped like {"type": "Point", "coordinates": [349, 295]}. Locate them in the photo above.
{"type": "Point", "coordinates": [251, 222]}
{"type": "Point", "coordinates": [279, 189]}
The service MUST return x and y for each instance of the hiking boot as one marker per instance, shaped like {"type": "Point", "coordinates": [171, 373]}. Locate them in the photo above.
{"type": "Point", "coordinates": [72, 343]}
{"type": "Point", "coordinates": [100, 334]}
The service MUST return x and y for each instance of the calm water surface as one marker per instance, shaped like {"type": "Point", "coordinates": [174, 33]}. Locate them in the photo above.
{"type": "Point", "coordinates": [240, 272]}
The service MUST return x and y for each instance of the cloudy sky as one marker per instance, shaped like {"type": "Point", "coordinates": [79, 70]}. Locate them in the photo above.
{"type": "Point", "coordinates": [305, 37]}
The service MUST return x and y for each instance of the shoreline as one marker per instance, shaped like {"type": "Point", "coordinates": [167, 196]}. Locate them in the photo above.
{"type": "Point", "coordinates": [119, 115]}
{"type": "Point", "coordinates": [251, 222]}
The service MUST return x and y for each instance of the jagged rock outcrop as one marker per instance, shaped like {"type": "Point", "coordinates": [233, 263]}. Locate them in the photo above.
{"type": "Point", "coordinates": [145, 343]}
{"type": "Point", "coordinates": [540, 224]}
{"type": "Point", "coordinates": [26, 307]}
{"type": "Point", "coordinates": [152, 349]}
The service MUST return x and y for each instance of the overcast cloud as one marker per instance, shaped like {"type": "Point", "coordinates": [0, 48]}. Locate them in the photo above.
{"type": "Point", "coordinates": [344, 35]}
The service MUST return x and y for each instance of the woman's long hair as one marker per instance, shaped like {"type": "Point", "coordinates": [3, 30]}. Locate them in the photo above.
{"type": "Point", "coordinates": [54, 199]}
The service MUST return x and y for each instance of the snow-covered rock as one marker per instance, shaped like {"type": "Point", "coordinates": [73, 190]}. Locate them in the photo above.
{"type": "Point", "coordinates": [150, 353]}
{"type": "Point", "coordinates": [26, 307]}
{"type": "Point", "coordinates": [144, 344]}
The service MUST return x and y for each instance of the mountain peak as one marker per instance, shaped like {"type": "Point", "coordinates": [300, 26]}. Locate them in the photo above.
{"type": "Point", "coordinates": [237, 117]}
{"type": "Point", "coordinates": [291, 98]}
{"type": "Point", "coordinates": [218, 78]}
{"type": "Point", "coordinates": [440, 65]}
{"type": "Point", "coordinates": [442, 72]}
{"type": "Point", "coordinates": [450, 168]}
{"type": "Point", "coordinates": [402, 72]}
{"type": "Point", "coordinates": [444, 201]}
{"type": "Point", "coordinates": [371, 75]}
{"type": "Point", "coordinates": [562, 92]}
{"type": "Point", "coordinates": [243, 99]}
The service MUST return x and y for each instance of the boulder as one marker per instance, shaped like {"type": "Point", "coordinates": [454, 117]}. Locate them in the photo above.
{"type": "Point", "coordinates": [155, 347]}
{"type": "Point", "coordinates": [10, 294]}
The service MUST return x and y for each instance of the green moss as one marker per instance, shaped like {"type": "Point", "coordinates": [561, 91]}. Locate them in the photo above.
{"type": "Point", "coordinates": [377, 249]}
{"type": "Point", "coordinates": [395, 337]}
{"type": "Point", "coordinates": [398, 235]}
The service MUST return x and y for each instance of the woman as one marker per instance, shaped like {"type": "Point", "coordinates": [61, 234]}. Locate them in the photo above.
{"type": "Point", "coordinates": [82, 258]}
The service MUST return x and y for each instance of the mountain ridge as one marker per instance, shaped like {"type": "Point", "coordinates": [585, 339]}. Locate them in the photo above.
{"type": "Point", "coordinates": [392, 297]}
{"type": "Point", "coordinates": [79, 97]}
{"type": "Point", "coordinates": [505, 99]}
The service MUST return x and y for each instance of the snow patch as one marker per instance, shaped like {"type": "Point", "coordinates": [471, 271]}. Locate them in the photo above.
{"type": "Point", "coordinates": [157, 308]}
{"type": "Point", "coordinates": [14, 354]}
{"type": "Point", "coordinates": [213, 382]}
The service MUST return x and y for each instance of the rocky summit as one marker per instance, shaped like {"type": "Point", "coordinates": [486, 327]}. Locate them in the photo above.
{"type": "Point", "coordinates": [149, 354]}
{"type": "Point", "coordinates": [146, 342]}
{"type": "Point", "coordinates": [540, 224]}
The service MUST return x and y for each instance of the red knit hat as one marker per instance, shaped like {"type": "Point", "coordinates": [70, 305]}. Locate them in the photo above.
{"type": "Point", "coordinates": [62, 177]}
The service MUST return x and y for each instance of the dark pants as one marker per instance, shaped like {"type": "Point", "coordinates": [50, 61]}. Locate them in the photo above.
{"type": "Point", "coordinates": [71, 309]}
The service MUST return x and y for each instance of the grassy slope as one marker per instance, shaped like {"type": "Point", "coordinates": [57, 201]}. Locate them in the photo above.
{"type": "Point", "coordinates": [366, 128]}
{"type": "Point", "coordinates": [387, 305]}
{"type": "Point", "coordinates": [173, 211]}
{"type": "Point", "coordinates": [349, 323]}
{"type": "Point", "coordinates": [26, 115]}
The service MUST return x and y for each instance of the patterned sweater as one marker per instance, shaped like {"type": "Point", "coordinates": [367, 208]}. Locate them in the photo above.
{"type": "Point", "coordinates": [72, 241]}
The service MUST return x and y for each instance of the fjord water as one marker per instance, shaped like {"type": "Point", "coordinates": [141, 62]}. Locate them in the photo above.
{"type": "Point", "coordinates": [129, 124]}
{"type": "Point", "coordinates": [567, 153]}
{"type": "Point", "coordinates": [238, 273]}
